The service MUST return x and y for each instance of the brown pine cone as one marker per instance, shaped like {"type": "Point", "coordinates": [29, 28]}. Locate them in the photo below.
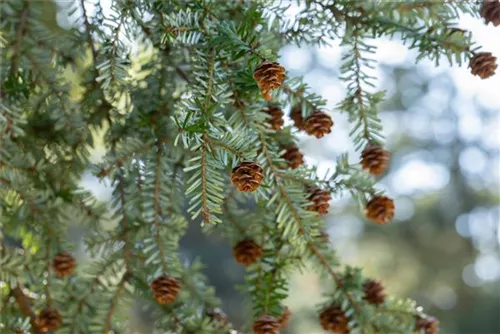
{"type": "Point", "coordinates": [490, 11]}
{"type": "Point", "coordinates": [293, 157]}
{"type": "Point", "coordinates": [64, 264]}
{"type": "Point", "coordinates": [374, 292]}
{"type": "Point", "coordinates": [218, 316]}
{"type": "Point", "coordinates": [375, 159]}
{"type": "Point", "coordinates": [296, 116]}
{"type": "Point", "coordinates": [318, 124]}
{"type": "Point", "coordinates": [269, 75]}
{"type": "Point", "coordinates": [427, 325]}
{"type": "Point", "coordinates": [285, 317]}
{"type": "Point", "coordinates": [321, 200]}
{"type": "Point", "coordinates": [247, 176]}
{"type": "Point", "coordinates": [334, 320]}
{"type": "Point", "coordinates": [266, 324]}
{"type": "Point", "coordinates": [48, 320]}
{"type": "Point", "coordinates": [483, 64]}
{"type": "Point", "coordinates": [380, 209]}
{"type": "Point", "coordinates": [247, 252]}
{"type": "Point", "coordinates": [276, 119]}
{"type": "Point", "coordinates": [165, 288]}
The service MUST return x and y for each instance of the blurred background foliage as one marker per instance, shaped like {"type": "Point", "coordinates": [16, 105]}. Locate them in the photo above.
{"type": "Point", "coordinates": [443, 247]}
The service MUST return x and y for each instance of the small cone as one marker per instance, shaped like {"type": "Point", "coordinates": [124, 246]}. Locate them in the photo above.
{"type": "Point", "coordinates": [285, 317]}
{"type": "Point", "coordinates": [276, 119]}
{"type": "Point", "coordinates": [165, 288]}
{"type": "Point", "coordinates": [247, 252]}
{"type": "Point", "coordinates": [321, 200]}
{"type": "Point", "coordinates": [374, 292]}
{"type": "Point", "coordinates": [48, 320]}
{"type": "Point", "coordinates": [483, 64]}
{"type": "Point", "coordinates": [375, 159]}
{"type": "Point", "coordinates": [247, 176]}
{"type": "Point", "coordinates": [266, 324]}
{"type": "Point", "coordinates": [269, 75]}
{"type": "Point", "coordinates": [293, 157]}
{"type": "Point", "coordinates": [318, 124]}
{"type": "Point", "coordinates": [380, 209]}
{"type": "Point", "coordinates": [334, 320]}
{"type": "Point", "coordinates": [296, 116]}
{"type": "Point", "coordinates": [490, 11]}
{"type": "Point", "coordinates": [218, 316]}
{"type": "Point", "coordinates": [64, 264]}
{"type": "Point", "coordinates": [427, 325]}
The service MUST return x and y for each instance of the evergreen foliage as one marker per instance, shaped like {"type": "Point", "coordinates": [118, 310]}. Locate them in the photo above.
{"type": "Point", "coordinates": [169, 87]}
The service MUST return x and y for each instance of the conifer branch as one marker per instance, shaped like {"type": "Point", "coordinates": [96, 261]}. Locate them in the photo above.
{"type": "Point", "coordinates": [157, 207]}
{"type": "Point", "coordinates": [205, 210]}
{"type": "Point", "coordinates": [277, 177]}
{"type": "Point", "coordinates": [88, 31]}
{"type": "Point", "coordinates": [124, 220]}
{"type": "Point", "coordinates": [24, 306]}
{"type": "Point", "coordinates": [114, 302]}
{"type": "Point", "coordinates": [359, 91]}
{"type": "Point", "coordinates": [49, 274]}
{"type": "Point", "coordinates": [19, 37]}
{"type": "Point", "coordinates": [338, 282]}
{"type": "Point", "coordinates": [130, 155]}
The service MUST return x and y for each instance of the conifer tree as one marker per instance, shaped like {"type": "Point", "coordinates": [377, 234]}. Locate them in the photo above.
{"type": "Point", "coordinates": [190, 100]}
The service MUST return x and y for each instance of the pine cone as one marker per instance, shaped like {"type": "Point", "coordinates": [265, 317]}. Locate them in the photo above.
{"type": "Point", "coordinates": [266, 324]}
{"type": "Point", "coordinates": [293, 157]}
{"type": "Point", "coordinates": [427, 325]}
{"type": "Point", "coordinates": [269, 75]}
{"type": "Point", "coordinates": [247, 176]}
{"type": "Point", "coordinates": [334, 320]}
{"type": "Point", "coordinates": [276, 119]}
{"type": "Point", "coordinates": [375, 159]}
{"type": "Point", "coordinates": [247, 252]}
{"type": "Point", "coordinates": [318, 124]}
{"type": "Point", "coordinates": [218, 316]}
{"type": "Point", "coordinates": [165, 288]}
{"type": "Point", "coordinates": [296, 116]}
{"type": "Point", "coordinates": [374, 292]}
{"type": "Point", "coordinates": [48, 320]}
{"type": "Point", "coordinates": [285, 317]}
{"type": "Point", "coordinates": [490, 11]}
{"type": "Point", "coordinates": [483, 64]}
{"type": "Point", "coordinates": [64, 264]}
{"type": "Point", "coordinates": [380, 209]}
{"type": "Point", "coordinates": [321, 200]}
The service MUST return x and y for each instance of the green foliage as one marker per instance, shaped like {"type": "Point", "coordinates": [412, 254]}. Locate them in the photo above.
{"type": "Point", "coordinates": [168, 87]}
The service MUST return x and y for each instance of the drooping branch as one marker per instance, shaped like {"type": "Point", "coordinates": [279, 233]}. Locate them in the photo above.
{"type": "Point", "coordinates": [88, 31]}
{"type": "Point", "coordinates": [19, 37]}
{"type": "Point", "coordinates": [25, 307]}
{"type": "Point", "coordinates": [114, 302]}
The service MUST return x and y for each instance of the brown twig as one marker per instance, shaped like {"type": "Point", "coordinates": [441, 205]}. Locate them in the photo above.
{"type": "Point", "coordinates": [114, 302]}
{"type": "Point", "coordinates": [89, 32]}
{"type": "Point", "coordinates": [24, 306]}
{"type": "Point", "coordinates": [19, 37]}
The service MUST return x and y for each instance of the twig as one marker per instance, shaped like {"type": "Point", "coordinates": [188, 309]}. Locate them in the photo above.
{"type": "Point", "coordinates": [24, 306]}
{"type": "Point", "coordinates": [47, 263]}
{"type": "Point", "coordinates": [89, 32]}
{"type": "Point", "coordinates": [114, 302]}
{"type": "Point", "coordinates": [19, 37]}
{"type": "Point", "coordinates": [157, 207]}
{"type": "Point", "coordinates": [205, 210]}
